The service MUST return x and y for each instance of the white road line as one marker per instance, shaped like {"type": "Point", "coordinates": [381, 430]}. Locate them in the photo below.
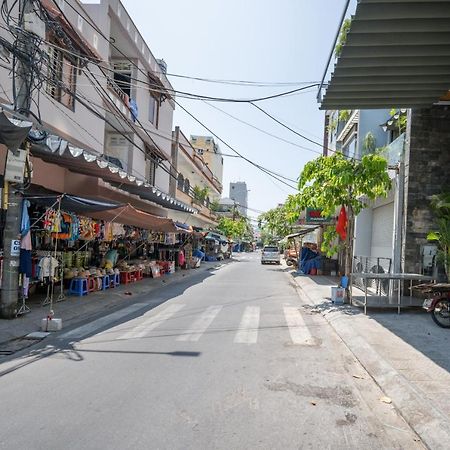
{"type": "Point", "coordinates": [297, 326]}
{"type": "Point", "coordinates": [99, 323]}
{"type": "Point", "coordinates": [151, 323]}
{"type": "Point", "coordinates": [201, 324]}
{"type": "Point", "coordinates": [248, 328]}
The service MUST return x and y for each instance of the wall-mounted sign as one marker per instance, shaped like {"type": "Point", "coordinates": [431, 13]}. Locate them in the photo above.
{"type": "Point", "coordinates": [314, 215]}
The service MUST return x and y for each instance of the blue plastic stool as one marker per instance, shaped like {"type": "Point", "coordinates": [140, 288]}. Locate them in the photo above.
{"type": "Point", "coordinates": [105, 282]}
{"type": "Point", "coordinates": [78, 286]}
{"type": "Point", "coordinates": [114, 280]}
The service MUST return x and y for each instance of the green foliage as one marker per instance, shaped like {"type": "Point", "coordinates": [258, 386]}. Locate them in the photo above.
{"type": "Point", "coordinates": [239, 228]}
{"type": "Point", "coordinates": [399, 119]}
{"type": "Point", "coordinates": [276, 223]}
{"type": "Point", "coordinates": [200, 194]}
{"type": "Point", "coordinates": [369, 143]}
{"type": "Point", "coordinates": [440, 204]}
{"type": "Point", "coordinates": [332, 125]}
{"type": "Point", "coordinates": [331, 181]}
{"type": "Point", "coordinates": [331, 243]}
{"type": "Point", "coordinates": [344, 115]}
{"type": "Point", "coordinates": [214, 205]}
{"type": "Point", "coordinates": [342, 37]}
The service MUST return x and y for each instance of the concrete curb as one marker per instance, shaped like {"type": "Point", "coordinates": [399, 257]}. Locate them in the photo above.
{"type": "Point", "coordinates": [430, 424]}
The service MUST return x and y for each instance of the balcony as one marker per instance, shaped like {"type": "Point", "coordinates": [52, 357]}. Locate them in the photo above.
{"type": "Point", "coordinates": [119, 98]}
{"type": "Point", "coordinates": [201, 206]}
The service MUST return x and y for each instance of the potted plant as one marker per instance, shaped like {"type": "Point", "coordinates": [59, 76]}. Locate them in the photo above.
{"type": "Point", "coordinates": [440, 205]}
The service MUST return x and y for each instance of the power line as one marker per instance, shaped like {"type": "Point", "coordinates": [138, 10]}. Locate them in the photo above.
{"type": "Point", "coordinates": [262, 131]}
{"type": "Point", "coordinates": [267, 171]}
{"type": "Point", "coordinates": [198, 96]}
{"type": "Point", "coordinates": [235, 151]}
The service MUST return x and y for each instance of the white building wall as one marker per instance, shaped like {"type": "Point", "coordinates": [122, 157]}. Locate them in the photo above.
{"type": "Point", "coordinates": [382, 231]}
{"type": "Point", "coordinates": [363, 233]}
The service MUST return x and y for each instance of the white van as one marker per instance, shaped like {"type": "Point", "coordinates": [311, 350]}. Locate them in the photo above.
{"type": "Point", "coordinates": [270, 254]}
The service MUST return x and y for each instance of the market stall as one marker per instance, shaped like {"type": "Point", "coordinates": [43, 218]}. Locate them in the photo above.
{"type": "Point", "coordinates": [85, 245]}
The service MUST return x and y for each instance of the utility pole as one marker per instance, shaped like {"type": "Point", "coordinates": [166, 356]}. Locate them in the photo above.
{"type": "Point", "coordinates": [174, 166]}
{"type": "Point", "coordinates": [11, 235]}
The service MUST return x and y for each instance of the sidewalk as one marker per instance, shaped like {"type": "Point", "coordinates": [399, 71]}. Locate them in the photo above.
{"type": "Point", "coordinates": [77, 310]}
{"type": "Point", "coordinates": [407, 355]}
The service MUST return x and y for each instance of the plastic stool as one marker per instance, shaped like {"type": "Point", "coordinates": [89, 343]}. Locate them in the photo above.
{"type": "Point", "coordinates": [139, 275]}
{"type": "Point", "coordinates": [91, 284]}
{"type": "Point", "coordinates": [78, 286]}
{"type": "Point", "coordinates": [105, 282]}
{"type": "Point", "coordinates": [125, 277]}
{"type": "Point", "coordinates": [114, 280]}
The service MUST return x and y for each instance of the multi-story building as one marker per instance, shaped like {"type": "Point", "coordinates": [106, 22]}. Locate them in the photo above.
{"type": "Point", "coordinates": [356, 133]}
{"type": "Point", "coordinates": [106, 126]}
{"type": "Point", "coordinates": [367, 74]}
{"type": "Point", "coordinates": [195, 184]}
{"type": "Point", "coordinates": [206, 147]}
{"type": "Point", "coordinates": [239, 194]}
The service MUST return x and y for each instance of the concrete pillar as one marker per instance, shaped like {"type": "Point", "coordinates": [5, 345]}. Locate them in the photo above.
{"type": "Point", "coordinates": [427, 170]}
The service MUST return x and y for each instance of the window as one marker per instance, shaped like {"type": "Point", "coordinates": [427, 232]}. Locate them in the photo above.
{"type": "Point", "coordinates": [153, 110]}
{"type": "Point", "coordinates": [187, 186]}
{"type": "Point", "coordinates": [153, 162]}
{"type": "Point", "coordinates": [62, 73]}
{"type": "Point", "coordinates": [122, 77]}
{"type": "Point", "coordinates": [200, 151]}
{"type": "Point", "coordinates": [180, 182]}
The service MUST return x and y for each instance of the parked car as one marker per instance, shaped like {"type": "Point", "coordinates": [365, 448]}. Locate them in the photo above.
{"type": "Point", "coordinates": [270, 254]}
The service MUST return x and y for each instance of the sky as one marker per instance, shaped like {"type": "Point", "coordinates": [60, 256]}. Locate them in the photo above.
{"type": "Point", "coordinates": [255, 40]}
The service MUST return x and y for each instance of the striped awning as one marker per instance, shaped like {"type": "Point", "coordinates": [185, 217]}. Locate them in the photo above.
{"type": "Point", "coordinates": [396, 54]}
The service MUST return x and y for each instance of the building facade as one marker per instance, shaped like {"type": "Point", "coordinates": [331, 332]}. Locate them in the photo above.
{"type": "Point", "coordinates": [239, 194]}
{"type": "Point", "coordinates": [208, 149]}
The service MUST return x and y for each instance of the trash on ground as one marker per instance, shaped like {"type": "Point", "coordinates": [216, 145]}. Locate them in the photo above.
{"type": "Point", "coordinates": [386, 400]}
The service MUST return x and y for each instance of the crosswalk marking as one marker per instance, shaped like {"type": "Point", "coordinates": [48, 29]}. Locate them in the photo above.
{"type": "Point", "coordinates": [297, 326]}
{"type": "Point", "coordinates": [151, 323]}
{"type": "Point", "coordinates": [99, 323]}
{"type": "Point", "coordinates": [248, 328]}
{"type": "Point", "coordinates": [201, 324]}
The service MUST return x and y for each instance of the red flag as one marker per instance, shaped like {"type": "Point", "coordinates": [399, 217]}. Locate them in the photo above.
{"type": "Point", "coordinates": [341, 226]}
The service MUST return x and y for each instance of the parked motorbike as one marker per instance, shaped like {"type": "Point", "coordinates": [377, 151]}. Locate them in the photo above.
{"type": "Point", "coordinates": [290, 261]}
{"type": "Point", "coordinates": [437, 302]}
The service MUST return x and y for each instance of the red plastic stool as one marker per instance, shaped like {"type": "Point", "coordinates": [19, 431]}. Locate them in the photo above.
{"type": "Point", "coordinates": [139, 275]}
{"type": "Point", "coordinates": [126, 278]}
{"type": "Point", "coordinates": [92, 284]}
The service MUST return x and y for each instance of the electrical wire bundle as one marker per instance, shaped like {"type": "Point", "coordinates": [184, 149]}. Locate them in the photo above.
{"type": "Point", "coordinates": [39, 63]}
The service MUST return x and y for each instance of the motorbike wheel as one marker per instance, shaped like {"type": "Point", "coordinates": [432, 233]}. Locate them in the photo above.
{"type": "Point", "coordinates": [441, 313]}
{"type": "Point", "coordinates": [289, 262]}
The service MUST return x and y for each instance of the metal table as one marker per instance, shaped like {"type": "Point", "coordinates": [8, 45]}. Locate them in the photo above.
{"type": "Point", "coordinates": [399, 277]}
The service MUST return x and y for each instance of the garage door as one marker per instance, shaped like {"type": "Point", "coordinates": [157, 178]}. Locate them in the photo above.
{"type": "Point", "coordinates": [382, 230]}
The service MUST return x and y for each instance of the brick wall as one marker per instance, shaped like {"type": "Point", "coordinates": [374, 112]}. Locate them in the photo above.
{"type": "Point", "coordinates": [427, 173]}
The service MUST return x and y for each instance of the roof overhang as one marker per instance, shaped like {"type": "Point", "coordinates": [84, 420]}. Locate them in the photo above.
{"type": "Point", "coordinates": [91, 165]}
{"type": "Point", "coordinates": [396, 54]}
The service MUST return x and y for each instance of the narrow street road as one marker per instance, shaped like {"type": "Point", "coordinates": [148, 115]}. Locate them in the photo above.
{"type": "Point", "coordinates": [236, 361]}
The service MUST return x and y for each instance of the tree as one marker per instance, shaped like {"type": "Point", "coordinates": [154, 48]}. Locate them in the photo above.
{"type": "Point", "coordinates": [276, 223]}
{"type": "Point", "coordinates": [235, 228]}
{"type": "Point", "coordinates": [330, 182]}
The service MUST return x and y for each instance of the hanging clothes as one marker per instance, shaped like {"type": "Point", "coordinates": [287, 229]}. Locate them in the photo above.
{"type": "Point", "coordinates": [25, 223]}
{"type": "Point", "coordinates": [181, 258]}
{"type": "Point", "coordinates": [25, 263]}
{"type": "Point", "coordinates": [47, 267]}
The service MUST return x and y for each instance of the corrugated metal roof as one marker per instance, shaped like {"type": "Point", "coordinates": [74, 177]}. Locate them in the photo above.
{"type": "Point", "coordinates": [397, 53]}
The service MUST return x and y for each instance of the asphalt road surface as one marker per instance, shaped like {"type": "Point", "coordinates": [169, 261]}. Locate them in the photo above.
{"type": "Point", "coordinates": [236, 361]}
